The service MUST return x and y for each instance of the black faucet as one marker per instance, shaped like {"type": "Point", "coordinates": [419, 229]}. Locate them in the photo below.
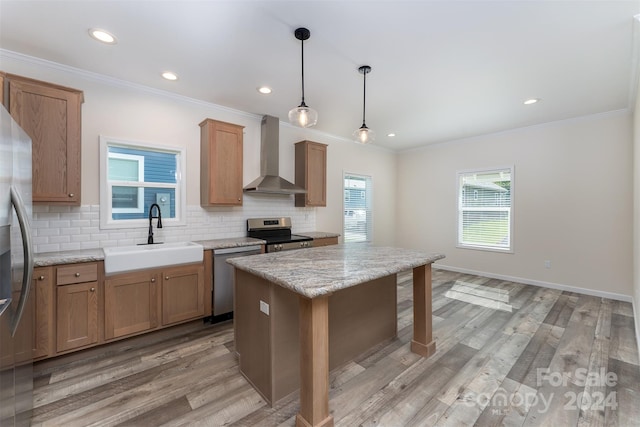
{"type": "Point", "coordinates": [159, 224]}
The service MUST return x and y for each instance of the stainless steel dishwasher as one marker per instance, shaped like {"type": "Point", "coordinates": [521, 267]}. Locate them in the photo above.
{"type": "Point", "coordinates": [222, 290]}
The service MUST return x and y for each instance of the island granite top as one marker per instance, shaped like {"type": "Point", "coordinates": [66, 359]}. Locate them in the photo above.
{"type": "Point", "coordinates": [319, 271]}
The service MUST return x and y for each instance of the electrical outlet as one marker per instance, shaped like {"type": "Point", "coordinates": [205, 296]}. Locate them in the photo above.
{"type": "Point", "coordinates": [547, 264]}
{"type": "Point", "coordinates": [264, 307]}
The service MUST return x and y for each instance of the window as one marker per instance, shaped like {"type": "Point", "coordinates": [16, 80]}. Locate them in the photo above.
{"type": "Point", "coordinates": [136, 175]}
{"type": "Point", "coordinates": [485, 219]}
{"type": "Point", "coordinates": [126, 167]}
{"type": "Point", "coordinates": [357, 208]}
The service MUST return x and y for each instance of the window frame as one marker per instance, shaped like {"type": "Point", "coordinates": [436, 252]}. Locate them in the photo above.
{"type": "Point", "coordinates": [368, 209]}
{"type": "Point", "coordinates": [106, 208]}
{"type": "Point", "coordinates": [140, 160]}
{"type": "Point", "coordinates": [459, 217]}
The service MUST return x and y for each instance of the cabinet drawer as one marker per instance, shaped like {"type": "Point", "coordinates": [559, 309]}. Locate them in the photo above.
{"type": "Point", "coordinates": [77, 273]}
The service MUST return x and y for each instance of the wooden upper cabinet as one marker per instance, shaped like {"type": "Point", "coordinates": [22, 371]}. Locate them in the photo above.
{"type": "Point", "coordinates": [51, 116]}
{"type": "Point", "coordinates": [220, 163]}
{"type": "Point", "coordinates": [311, 173]}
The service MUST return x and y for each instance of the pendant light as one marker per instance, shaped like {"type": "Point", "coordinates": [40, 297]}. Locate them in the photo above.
{"type": "Point", "coordinates": [303, 115]}
{"type": "Point", "coordinates": [364, 135]}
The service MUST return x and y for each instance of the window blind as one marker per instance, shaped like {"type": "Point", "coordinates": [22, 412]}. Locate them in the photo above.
{"type": "Point", "coordinates": [357, 208]}
{"type": "Point", "coordinates": [484, 209]}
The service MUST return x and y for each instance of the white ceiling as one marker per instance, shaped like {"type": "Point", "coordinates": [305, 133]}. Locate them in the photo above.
{"type": "Point", "coordinates": [441, 70]}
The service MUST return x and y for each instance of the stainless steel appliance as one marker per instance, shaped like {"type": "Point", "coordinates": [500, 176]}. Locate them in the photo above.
{"type": "Point", "coordinates": [222, 292]}
{"type": "Point", "coordinates": [277, 233]}
{"type": "Point", "coordinates": [16, 267]}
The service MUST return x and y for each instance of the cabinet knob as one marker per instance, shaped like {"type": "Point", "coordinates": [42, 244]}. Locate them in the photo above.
{"type": "Point", "coordinates": [71, 194]}
{"type": "Point", "coordinates": [166, 277]}
{"type": "Point", "coordinates": [153, 279]}
{"type": "Point", "coordinates": [77, 274]}
{"type": "Point", "coordinates": [41, 278]}
{"type": "Point", "coordinates": [92, 289]}
{"type": "Point", "coordinates": [239, 198]}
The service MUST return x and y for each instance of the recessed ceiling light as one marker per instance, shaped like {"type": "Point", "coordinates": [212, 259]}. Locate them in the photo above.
{"type": "Point", "coordinates": [531, 101]}
{"type": "Point", "coordinates": [391, 135]}
{"type": "Point", "coordinates": [169, 75]}
{"type": "Point", "coordinates": [102, 35]}
{"type": "Point", "coordinates": [264, 89]}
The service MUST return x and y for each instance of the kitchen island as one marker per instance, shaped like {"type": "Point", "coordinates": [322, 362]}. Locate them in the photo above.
{"type": "Point", "coordinates": [300, 313]}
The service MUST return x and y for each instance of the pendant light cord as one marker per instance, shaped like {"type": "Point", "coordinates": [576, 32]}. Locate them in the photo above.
{"type": "Point", "coordinates": [302, 55]}
{"type": "Point", "coordinates": [364, 98]}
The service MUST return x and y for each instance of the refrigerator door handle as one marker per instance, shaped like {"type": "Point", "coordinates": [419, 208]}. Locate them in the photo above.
{"type": "Point", "coordinates": [25, 230]}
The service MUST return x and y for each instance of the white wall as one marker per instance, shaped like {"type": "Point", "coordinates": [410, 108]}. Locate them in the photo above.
{"type": "Point", "coordinates": [636, 216]}
{"type": "Point", "coordinates": [131, 112]}
{"type": "Point", "coordinates": [572, 202]}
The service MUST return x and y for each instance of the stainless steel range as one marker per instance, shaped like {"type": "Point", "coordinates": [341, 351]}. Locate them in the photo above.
{"type": "Point", "coordinates": [277, 233]}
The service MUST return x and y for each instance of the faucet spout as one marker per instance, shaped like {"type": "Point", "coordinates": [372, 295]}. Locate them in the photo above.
{"type": "Point", "coordinates": [158, 225]}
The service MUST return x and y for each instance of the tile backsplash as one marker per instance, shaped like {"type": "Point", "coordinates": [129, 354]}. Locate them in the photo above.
{"type": "Point", "coordinates": [60, 228]}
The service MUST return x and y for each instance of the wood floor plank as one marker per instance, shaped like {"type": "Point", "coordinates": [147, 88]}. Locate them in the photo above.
{"type": "Point", "coordinates": [191, 377]}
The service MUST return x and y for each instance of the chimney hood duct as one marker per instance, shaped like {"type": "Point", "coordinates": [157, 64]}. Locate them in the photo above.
{"type": "Point", "coordinates": [269, 181]}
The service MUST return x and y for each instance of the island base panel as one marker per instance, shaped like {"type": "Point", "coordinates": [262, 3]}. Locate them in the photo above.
{"type": "Point", "coordinates": [268, 345]}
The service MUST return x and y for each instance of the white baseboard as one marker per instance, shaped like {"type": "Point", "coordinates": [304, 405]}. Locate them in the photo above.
{"type": "Point", "coordinates": [558, 286]}
{"type": "Point", "coordinates": [636, 320]}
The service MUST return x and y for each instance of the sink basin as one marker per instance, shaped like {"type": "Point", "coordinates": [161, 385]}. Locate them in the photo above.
{"type": "Point", "coordinates": [139, 257]}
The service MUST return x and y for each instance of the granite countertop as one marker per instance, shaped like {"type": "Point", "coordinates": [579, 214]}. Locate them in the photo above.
{"type": "Point", "coordinates": [319, 271]}
{"type": "Point", "coordinates": [45, 259]}
{"type": "Point", "coordinates": [318, 234]}
{"type": "Point", "coordinates": [234, 242]}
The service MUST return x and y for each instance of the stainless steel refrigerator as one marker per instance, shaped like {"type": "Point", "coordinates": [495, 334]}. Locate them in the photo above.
{"type": "Point", "coordinates": [16, 268]}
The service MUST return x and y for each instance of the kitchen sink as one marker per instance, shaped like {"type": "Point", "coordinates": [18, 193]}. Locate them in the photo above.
{"type": "Point", "coordinates": [139, 257]}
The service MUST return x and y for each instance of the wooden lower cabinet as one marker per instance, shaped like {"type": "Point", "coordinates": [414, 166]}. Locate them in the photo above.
{"type": "Point", "coordinates": [75, 306]}
{"type": "Point", "coordinates": [130, 304]}
{"type": "Point", "coordinates": [325, 241]}
{"type": "Point", "coordinates": [183, 294]}
{"type": "Point", "coordinates": [77, 315]}
{"type": "Point", "coordinates": [42, 291]}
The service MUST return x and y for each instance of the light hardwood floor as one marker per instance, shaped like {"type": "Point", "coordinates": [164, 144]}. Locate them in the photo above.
{"type": "Point", "coordinates": [507, 354]}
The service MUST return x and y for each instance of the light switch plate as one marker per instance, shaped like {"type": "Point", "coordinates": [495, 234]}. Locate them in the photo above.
{"type": "Point", "coordinates": [264, 307]}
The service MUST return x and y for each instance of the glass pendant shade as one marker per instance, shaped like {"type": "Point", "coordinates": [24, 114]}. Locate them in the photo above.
{"type": "Point", "coordinates": [364, 135]}
{"type": "Point", "coordinates": [303, 116]}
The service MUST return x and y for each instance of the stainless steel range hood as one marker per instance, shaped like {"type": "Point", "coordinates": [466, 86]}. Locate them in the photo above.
{"type": "Point", "coordinates": [269, 180]}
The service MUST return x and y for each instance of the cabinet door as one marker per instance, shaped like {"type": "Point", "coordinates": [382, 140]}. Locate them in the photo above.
{"type": "Point", "coordinates": [131, 303]}
{"type": "Point", "coordinates": [183, 294]}
{"type": "Point", "coordinates": [311, 173]}
{"type": "Point", "coordinates": [220, 163]}
{"type": "Point", "coordinates": [50, 115]}
{"type": "Point", "coordinates": [42, 292]}
{"type": "Point", "coordinates": [77, 315]}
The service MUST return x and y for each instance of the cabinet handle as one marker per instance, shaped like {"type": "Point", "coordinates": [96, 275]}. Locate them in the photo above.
{"type": "Point", "coordinates": [166, 277]}
{"type": "Point", "coordinates": [153, 280]}
{"type": "Point", "coordinates": [77, 274]}
{"type": "Point", "coordinates": [41, 278]}
{"type": "Point", "coordinates": [92, 289]}
{"type": "Point", "coordinates": [71, 194]}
